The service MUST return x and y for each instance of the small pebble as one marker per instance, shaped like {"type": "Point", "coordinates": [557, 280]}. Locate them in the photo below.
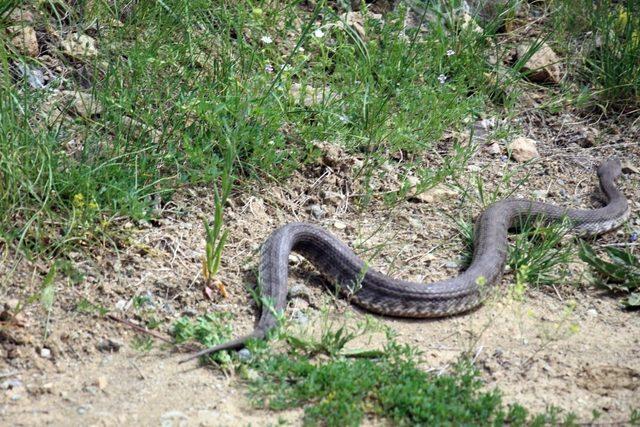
{"type": "Point", "coordinates": [244, 355]}
{"type": "Point", "coordinates": [339, 225]}
{"type": "Point", "coordinates": [451, 264]}
{"type": "Point", "coordinates": [109, 345]}
{"type": "Point", "coordinates": [316, 211]}
{"type": "Point", "coordinates": [300, 318]}
{"type": "Point", "coordinates": [15, 383]}
{"type": "Point", "coordinates": [540, 194]}
{"type": "Point", "coordinates": [592, 312]}
{"type": "Point", "coordinates": [45, 352]}
{"type": "Point", "coordinates": [299, 291]}
{"type": "Point", "coordinates": [82, 409]}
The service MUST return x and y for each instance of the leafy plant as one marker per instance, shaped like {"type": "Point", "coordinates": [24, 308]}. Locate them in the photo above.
{"type": "Point", "coordinates": [339, 390]}
{"type": "Point", "coordinates": [210, 329]}
{"type": "Point", "coordinates": [86, 306]}
{"type": "Point", "coordinates": [142, 343]}
{"type": "Point", "coordinates": [621, 274]}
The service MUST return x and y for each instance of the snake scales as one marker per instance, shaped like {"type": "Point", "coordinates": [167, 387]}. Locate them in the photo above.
{"type": "Point", "coordinates": [384, 295]}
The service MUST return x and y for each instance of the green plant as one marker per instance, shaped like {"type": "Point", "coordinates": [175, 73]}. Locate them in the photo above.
{"type": "Point", "coordinates": [611, 36]}
{"type": "Point", "coordinates": [620, 275]}
{"type": "Point", "coordinates": [86, 306]}
{"type": "Point", "coordinates": [338, 389]}
{"type": "Point", "coordinates": [142, 343]}
{"type": "Point", "coordinates": [47, 295]}
{"type": "Point", "coordinates": [210, 329]}
{"type": "Point", "coordinates": [538, 252]}
{"type": "Point", "coordinates": [215, 236]}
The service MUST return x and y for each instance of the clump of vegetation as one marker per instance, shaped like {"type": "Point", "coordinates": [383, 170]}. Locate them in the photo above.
{"type": "Point", "coordinates": [539, 256]}
{"type": "Point", "coordinates": [340, 386]}
{"type": "Point", "coordinates": [210, 329]}
{"type": "Point", "coordinates": [620, 275]}
{"type": "Point", "coordinates": [610, 35]}
{"type": "Point", "coordinates": [179, 82]}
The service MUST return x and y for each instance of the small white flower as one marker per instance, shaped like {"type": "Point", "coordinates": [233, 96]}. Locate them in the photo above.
{"type": "Point", "coordinates": [451, 52]}
{"type": "Point", "coordinates": [343, 118]}
{"type": "Point", "coordinates": [318, 33]}
{"type": "Point", "coordinates": [266, 40]}
{"type": "Point", "coordinates": [442, 78]}
{"type": "Point", "coordinates": [268, 68]}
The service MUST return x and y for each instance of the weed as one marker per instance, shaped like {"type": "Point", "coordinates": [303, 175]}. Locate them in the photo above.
{"type": "Point", "coordinates": [611, 63]}
{"type": "Point", "coordinates": [215, 236]}
{"type": "Point", "coordinates": [87, 307]}
{"type": "Point", "coordinates": [620, 275]}
{"type": "Point", "coordinates": [210, 329]}
{"type": "Point", "coordinates": [538, 253]}
{"type": "Point", "coordinates": [342, 390]}
{"type": "Point", "coordinates": [178, 86]}
{"type": "Point", "coordinates": [142, 343]}
{"type": "Point", "coordinates": [47, 296]}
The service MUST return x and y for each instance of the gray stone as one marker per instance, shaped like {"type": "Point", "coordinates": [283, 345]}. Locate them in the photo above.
{"type": "Point", "coordinates": [316, 211]}
{"type": "Point", "coordinates": [109, 345]}
{"type": "Point", "coordinates": [299, 291]}
{"type": "Point", "coordinates": [244, 355]}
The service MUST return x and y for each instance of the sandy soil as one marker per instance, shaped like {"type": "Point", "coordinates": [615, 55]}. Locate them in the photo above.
{"type": "Point", "coordinates": [539, 350]}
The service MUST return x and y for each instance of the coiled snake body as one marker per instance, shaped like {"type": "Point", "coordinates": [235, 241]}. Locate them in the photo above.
{"type": "Point", "coordinates": [384, 295]}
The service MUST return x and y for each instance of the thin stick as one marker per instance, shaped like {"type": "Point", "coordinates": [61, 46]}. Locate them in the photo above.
{"type": "Point", "coordinates": [140, 328]}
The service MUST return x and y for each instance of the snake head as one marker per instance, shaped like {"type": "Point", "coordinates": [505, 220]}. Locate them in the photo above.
{"type": "Point", "coordinates": [610, 169]}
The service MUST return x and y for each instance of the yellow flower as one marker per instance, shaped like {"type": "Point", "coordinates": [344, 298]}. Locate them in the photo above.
{"type": "Point", "coordinates": [78, 200]}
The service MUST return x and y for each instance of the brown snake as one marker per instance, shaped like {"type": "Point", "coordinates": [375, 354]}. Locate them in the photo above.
{"type": "Point", "coordinates": [384, 295]}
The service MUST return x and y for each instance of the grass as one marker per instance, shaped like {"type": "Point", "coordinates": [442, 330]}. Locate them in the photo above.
{"type": "Point", "coordinates": [179, 82]}
{"type": "Point", "coordinates": [337, 385]}
{"type": "Point", "coordinates": [609, 61]}
{"type": "Point", "coordinates": [201, 93]}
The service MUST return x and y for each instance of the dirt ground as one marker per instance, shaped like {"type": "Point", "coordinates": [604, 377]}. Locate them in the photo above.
{"type": "Point", "coordinates": [571, 346]}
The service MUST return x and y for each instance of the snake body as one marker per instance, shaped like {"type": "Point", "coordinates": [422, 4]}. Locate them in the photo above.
{"type": "Point", "coordinates": [384, 295]}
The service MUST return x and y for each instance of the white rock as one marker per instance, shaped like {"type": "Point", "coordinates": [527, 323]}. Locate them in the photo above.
{"type": "Point", "coordinates": [174, 419]}
{"type": "Point", "coordinates": [79, 46]}
{"type": "Point", "coordinates": [24, 39]}
{"type": "Point", "coordinates": [543, 66]}
{"type": "Point", "coordinates": [438, 193]}
{"type": "Point", "coordinates": [494, 149]}
{"type": "Point", "coordinates": [523, 149]}
{"type": "Point", "coordinates": [339, 225]}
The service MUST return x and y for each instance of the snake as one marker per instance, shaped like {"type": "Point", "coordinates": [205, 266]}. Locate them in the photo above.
{"type": "Point", "coordinates": [381, 294]}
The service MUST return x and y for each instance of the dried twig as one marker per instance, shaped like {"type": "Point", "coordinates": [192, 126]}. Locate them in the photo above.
{"type": "Point", "coordinates": [140, 329]}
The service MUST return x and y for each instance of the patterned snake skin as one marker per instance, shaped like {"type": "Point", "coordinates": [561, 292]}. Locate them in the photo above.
{"type": "Point", "coordinates": [381, 294]}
